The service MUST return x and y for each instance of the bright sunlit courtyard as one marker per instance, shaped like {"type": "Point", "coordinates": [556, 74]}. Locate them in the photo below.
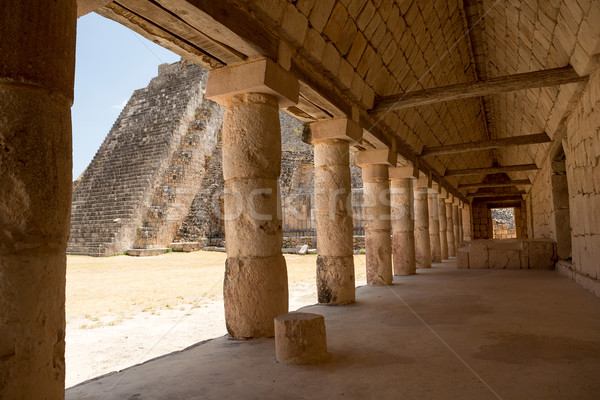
{"type": "Point", "coordinates": [124, 310]}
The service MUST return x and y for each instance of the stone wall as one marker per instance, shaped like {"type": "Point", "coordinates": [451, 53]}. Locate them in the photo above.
{"type": "Point", "coordinates": [482, 220]}
{"type": "Point", "coordinates": [521, 221]}
{"type": "Point", "coordinates": [541, 225]}
{"type": "Point", "coordinates": [503, 231]}
{"type": "Point", "coordinates": [582, 150]}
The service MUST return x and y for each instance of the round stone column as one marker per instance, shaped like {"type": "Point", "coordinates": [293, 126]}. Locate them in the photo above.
{"type": "Point", "coordinates": [37, 66]}
{"type": "Point", "coordinates": [255, 287]}
{"type": "Point", "coordinates": [376, 206]}
{"type": "Point", "coordinates": [443, 226]}
{"type": "Point", "coordinates": [333, 209]}
{"type": "Point", "coordinates": [422, 239]}
{"type": "Point", "coordinates": [455, 219]}
{"type": "Point", "coordinates": [434, 226]}
{"type": "Point", "coordinates": [466, 216]}
{"type": "Point", "coordinates": [450, 230]}
{"type": "Point", "coordinates": [403, 224]}
{"type": "Point", "coordinates": [460, 224]}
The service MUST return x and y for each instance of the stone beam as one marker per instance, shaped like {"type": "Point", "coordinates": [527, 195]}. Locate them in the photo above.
{"type": "Point", "coordinates": [160, 36]}
{"type": "Point", "coordinates": [226, 24]}
{"type": "Point", "coordinates": [486, 144]}
{"type": "Point", "coordinates": [516, 182]}
{"type": "Point", "coordinates": [491, 170]}
{"type": "Point", "coordinates": [494, 195]}
{"type": "Point", "coordinates": [87, 6]}
{"type": "Point", "coordinates": [502, 84]}
{"type": "Point", "coordinates": [505, 203]}
{"type": "Point", "coordinates": [190, 33]}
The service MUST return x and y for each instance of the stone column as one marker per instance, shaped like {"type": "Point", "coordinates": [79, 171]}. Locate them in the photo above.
{"type": "Point", "coordinates": [376, 205]}
{"type": "Point", "coordinates": [333, 209]}
{"type": "Point", "coordinates": [455, 224]}
{"type": "Point", "coordinates": [422, 238]}
{"type": "Point", "coordinates": [450, 228]}
{"type": "Point", "coordinates": [460, 223]}
{"type": "Point", "coordinates": [37, 66]}
{"type": "Point", "coordinates": [403, 224]}
{"type": "Point", "coordinates": [434, 226]}
{"type": "Point", "coordinates": [466, 216]}
{"type": "Point", "coordinates": [255, 286]}
{"type": "Point", "coordinates": [443, 225]}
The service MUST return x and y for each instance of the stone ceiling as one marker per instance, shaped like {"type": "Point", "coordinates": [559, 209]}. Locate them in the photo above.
{"type": "Point", "coordinates": [347, 53]}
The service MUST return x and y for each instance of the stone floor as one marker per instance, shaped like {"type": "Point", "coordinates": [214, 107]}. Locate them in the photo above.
{"type": "Point", "coordinates": [444, 333]}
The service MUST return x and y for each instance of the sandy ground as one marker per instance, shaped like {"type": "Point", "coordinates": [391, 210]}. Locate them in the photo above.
{"type": "Point", "coordinates": [124, 310]}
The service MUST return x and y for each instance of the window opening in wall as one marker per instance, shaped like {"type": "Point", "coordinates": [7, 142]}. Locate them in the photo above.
{"type": "Point", "coordinates": [503, 223]}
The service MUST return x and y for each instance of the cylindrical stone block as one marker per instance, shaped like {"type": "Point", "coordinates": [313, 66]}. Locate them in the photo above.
{"type": "Point", "coordinates": [378, 244]}
{"type": "Point", "coordinates": [37, 66]}
{"type": "Point", "coordinates": [403, 226]}
{"type": "Point", "coordinates": [333, 214]}
{"type": "Point", "coordinates": [255, 288]}
{"type": "Point", "coordinates": [455, 224]}
{"type": "Point", "coordinates": [422, 240]}
{"type": "Point", "coordinates": [450, 231]}
{"type": "Point", "coordinates": [434, 227]}
{"type": "Point", "coordinates": [300, 338]}
{"type": "Point", "coordinates": [443, 226]}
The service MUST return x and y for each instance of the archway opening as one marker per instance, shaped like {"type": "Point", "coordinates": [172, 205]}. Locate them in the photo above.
{"type": "Point", "coordinates": [503, 223]}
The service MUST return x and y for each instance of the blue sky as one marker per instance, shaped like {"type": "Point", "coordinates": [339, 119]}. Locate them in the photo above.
{"type": "Point", "coordinates": [111, 62]}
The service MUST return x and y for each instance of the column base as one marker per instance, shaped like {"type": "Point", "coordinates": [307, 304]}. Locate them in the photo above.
{"type": "Point", "coordinates": [335, 280]}
{"type": "Point", "coordinates": [255, 291]}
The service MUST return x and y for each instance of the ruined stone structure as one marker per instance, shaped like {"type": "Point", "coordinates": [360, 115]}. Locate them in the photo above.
{"type": "Point", "coordinates": [158, 176]}
{"type": "Point", "coordinates": [458, 91]}
{"type": "Point", "coordinates": [143, 178]}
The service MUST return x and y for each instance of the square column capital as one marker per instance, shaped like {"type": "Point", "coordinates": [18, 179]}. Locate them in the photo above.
{"type": "Point", "coordinates": [443, 193]}
{"type": "Point", "coordinates": [450, 198]}
{"type": "Point", "coordinates": [424, 181]}
{"type": "Point", "coordinates": [376, 157]}
{"type": "Point", "coordinates": [337, 128]}
{"type": "Point", "coordinates": [403, 172]}
{"type": "Point", "coordinates": [255, 76]}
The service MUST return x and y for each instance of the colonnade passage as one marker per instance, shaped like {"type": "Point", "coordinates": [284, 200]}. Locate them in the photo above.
{"type": "Point", "coordinates": [409, 224]}
{"type": "Point", "coordinates": [404, 227]}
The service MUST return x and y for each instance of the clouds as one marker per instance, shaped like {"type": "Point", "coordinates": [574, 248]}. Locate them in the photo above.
{"type": "Point", "coordinates": [120, 106]}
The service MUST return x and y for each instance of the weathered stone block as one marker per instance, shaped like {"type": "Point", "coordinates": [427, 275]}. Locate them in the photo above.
{"type": "Point", "coordinates": [300, 338]}
{"type": "Point", "coordinates": [478, 255]}
{"type": "Point", "coordinates": [504, 258]}
{"type": "Point", "coordinates": [462, 258]}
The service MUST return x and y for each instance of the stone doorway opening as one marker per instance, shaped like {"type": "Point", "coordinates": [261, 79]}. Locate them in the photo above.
{"type": "Point", "coordinates": [503, 223]}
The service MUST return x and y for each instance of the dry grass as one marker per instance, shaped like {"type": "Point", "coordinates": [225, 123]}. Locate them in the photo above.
{"type": "Point", "coordinates": [123, 285]}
